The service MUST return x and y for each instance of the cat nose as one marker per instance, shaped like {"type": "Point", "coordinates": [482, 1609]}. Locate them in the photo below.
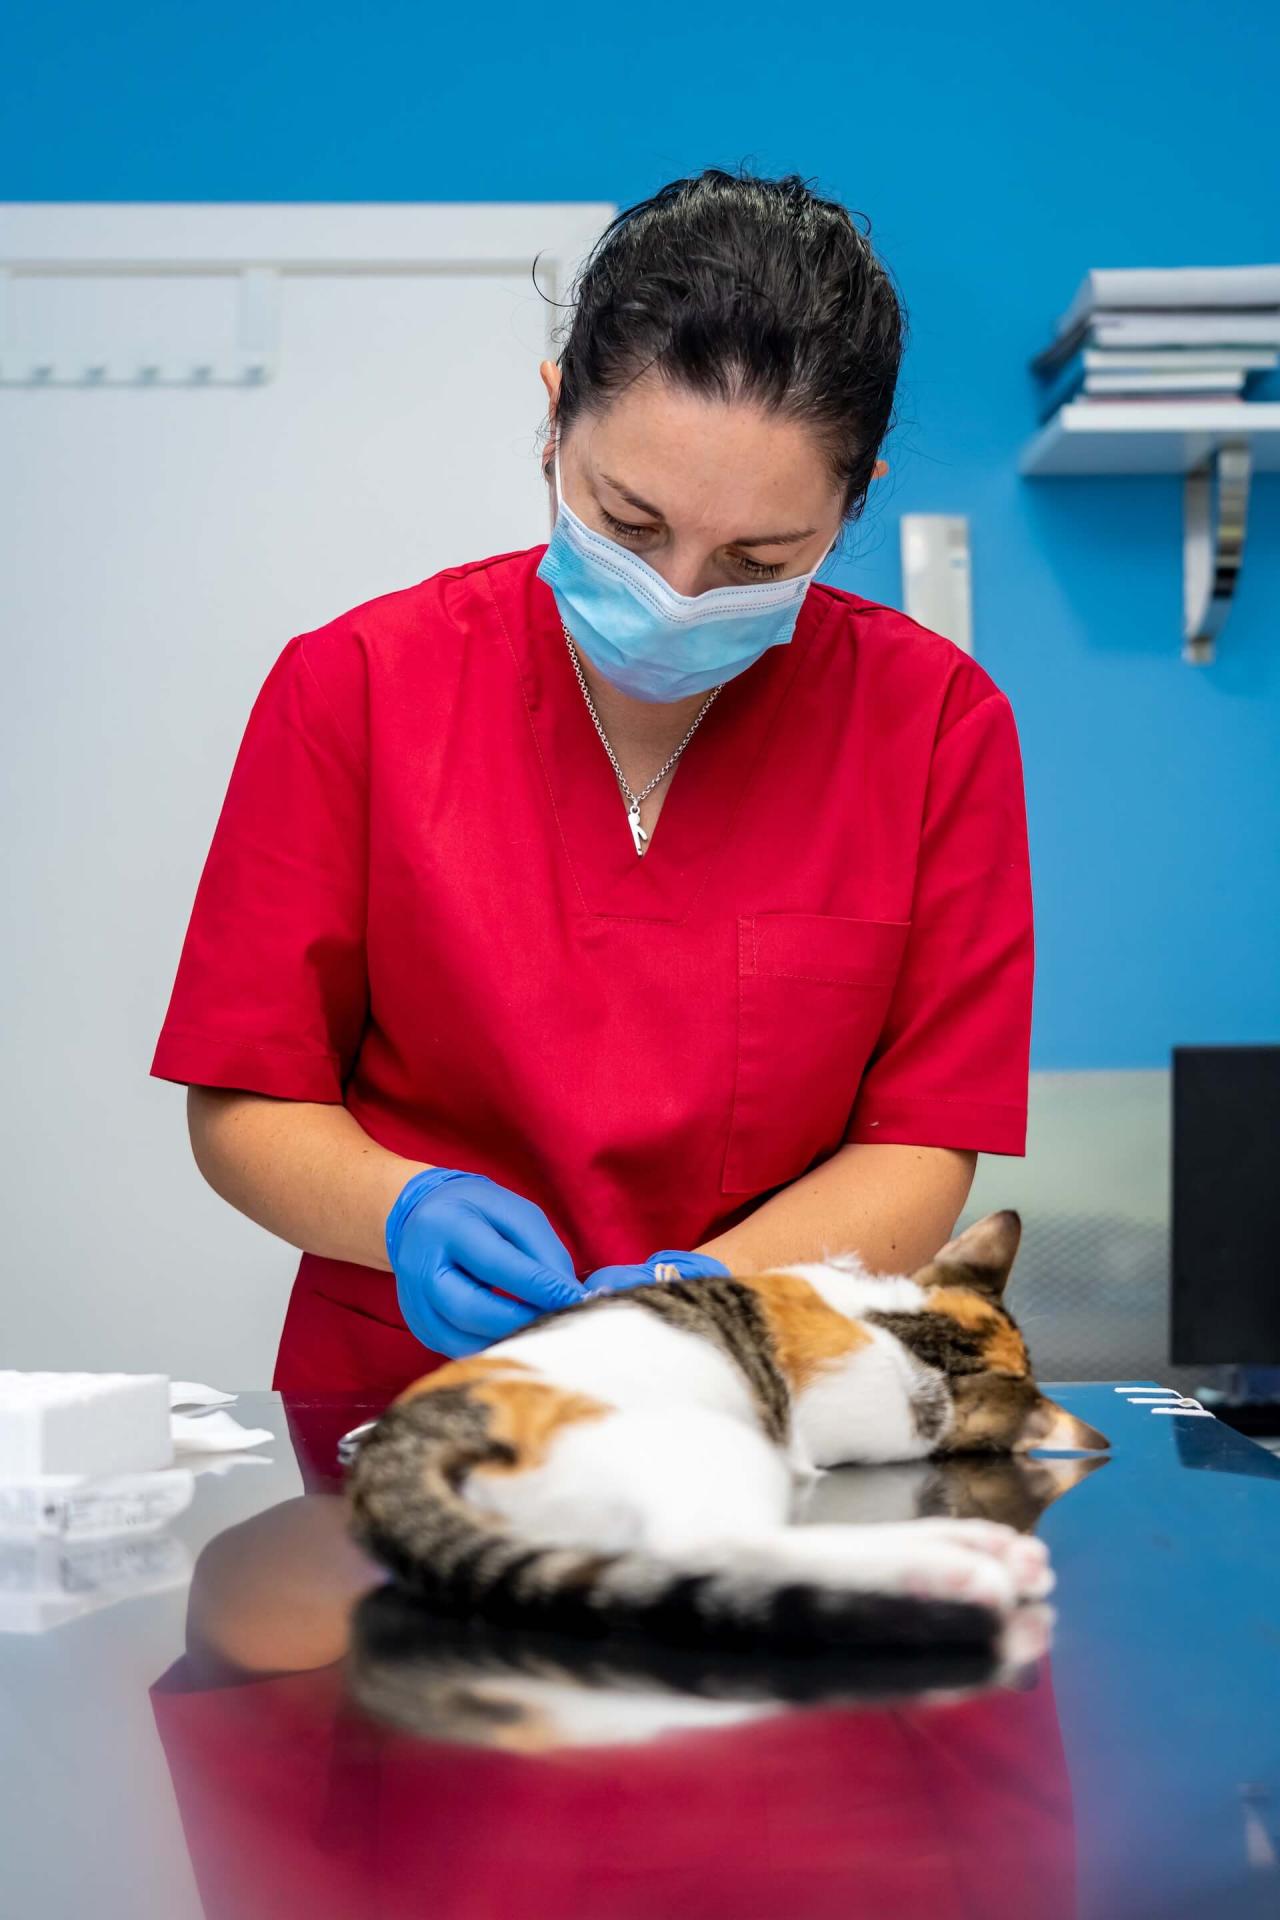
{"type": "Point", "coordinates": [1057, 1431]}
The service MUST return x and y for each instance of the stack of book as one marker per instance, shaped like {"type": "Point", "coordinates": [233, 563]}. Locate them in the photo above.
{"type": "Point", "coordinates": [1163, 334]}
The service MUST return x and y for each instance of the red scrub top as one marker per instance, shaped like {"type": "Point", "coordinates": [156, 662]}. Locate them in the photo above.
{"type": "Point", "coordinates": [422, 899]}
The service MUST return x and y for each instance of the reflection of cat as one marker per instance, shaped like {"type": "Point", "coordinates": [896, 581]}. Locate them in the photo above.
{"type": "Point", "coordinates": [1012, 1488]}
{"type": "Point", "coordinates": [443, 1678]}
{"type": "Point", "coordinates": [634, 1459]}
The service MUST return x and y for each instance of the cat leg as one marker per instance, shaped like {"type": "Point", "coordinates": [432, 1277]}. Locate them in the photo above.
{"type": "Point", "coordinates": [1024, 1554]}
{"type": "Point", "coordinates": [942, 1559]}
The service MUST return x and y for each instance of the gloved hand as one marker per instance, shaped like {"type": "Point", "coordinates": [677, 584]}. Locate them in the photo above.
{"type": "Point", "coordinates": [691, 1266]}
{"type": "Point", "coordinates": [451, 1238]}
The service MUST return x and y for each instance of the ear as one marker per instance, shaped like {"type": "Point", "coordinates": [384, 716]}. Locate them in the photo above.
{"type": "Point", "coordinates": [980, 1257]}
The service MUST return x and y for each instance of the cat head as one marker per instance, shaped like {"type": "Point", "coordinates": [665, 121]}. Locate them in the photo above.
{"type": "Point", "coordinates": [965, 1331]}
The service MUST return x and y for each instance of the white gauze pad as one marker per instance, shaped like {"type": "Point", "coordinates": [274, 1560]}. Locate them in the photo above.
{"type": "Point", "coordinates": [83, 1423]}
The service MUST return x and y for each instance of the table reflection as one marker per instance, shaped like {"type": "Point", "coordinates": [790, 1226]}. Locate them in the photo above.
{"type": "Point", "coordinates": [337, 1750]}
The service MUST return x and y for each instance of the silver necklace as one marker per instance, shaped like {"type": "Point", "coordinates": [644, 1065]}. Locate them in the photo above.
{"type": "Point", "coordinates": [638, 833]}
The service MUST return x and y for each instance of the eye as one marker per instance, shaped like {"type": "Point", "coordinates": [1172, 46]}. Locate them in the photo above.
{"type": "Point", "coordinates": [623, 527]}
{"type": "Point", "coordinates": [627, 531]}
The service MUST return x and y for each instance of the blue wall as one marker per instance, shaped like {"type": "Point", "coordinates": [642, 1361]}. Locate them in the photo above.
{"type": "Point", "coordinates": [999, 154]}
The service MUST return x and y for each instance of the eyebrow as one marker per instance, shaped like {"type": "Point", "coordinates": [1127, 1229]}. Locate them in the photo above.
{"type": "Point", "coordinates": [756, 540]}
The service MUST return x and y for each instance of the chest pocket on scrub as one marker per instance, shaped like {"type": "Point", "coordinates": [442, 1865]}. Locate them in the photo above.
{"type": "Point", "coordinates": [813, 992]}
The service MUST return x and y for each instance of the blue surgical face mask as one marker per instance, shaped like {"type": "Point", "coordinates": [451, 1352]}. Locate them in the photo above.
{"type": "Point", "coordinates": [650, 641]}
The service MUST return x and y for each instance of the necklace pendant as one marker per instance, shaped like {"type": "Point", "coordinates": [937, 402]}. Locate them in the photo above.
{"type": "Point", "coordinates": [638, 833]}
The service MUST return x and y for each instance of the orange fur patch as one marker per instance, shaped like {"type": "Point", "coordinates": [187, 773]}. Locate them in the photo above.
{"type": "Point", "coordinates": [808, 1334]}
{"type": "Point", "coordinates": [528, 1414]}
{"type": "Point", "coordinates": [460, 1373]}
{"type": "Point", "coordinates": [1004, 1348]}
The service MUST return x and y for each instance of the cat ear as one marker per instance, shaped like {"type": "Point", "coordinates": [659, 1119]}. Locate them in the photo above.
{"type": "Point", "coordinates": [980, 1257]}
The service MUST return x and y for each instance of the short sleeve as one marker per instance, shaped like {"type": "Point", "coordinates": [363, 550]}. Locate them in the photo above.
{"type": "Point", "coordinates": [271, 991]}
{"type": "Point", "coordinates": [950, 1067]}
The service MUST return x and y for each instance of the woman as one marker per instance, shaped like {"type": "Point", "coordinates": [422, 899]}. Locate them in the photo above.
{"type": "Point", "coordinates": [631, 891]}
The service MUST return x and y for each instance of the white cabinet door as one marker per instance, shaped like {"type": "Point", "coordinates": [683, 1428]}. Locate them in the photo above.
{"type": "Point", "coordinates": [219, 426]}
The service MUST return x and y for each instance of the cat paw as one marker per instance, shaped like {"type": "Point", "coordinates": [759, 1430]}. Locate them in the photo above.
{"type": "Point", "coordinates": [979, 1561]}
{"type": "Point", "coordinates": [982, 1561]}
{"type": "Point", "coordinates": [945, 1570]}
{"type": "Point", "coordinates": [1024, 1557]}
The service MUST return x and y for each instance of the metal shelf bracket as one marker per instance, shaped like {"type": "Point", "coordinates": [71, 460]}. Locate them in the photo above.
{"type": "Point", "coordinates": [1213, 545]}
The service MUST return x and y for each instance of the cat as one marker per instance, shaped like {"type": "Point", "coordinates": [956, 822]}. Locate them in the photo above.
{"type": "Point", "coordinates": [631, 1463]}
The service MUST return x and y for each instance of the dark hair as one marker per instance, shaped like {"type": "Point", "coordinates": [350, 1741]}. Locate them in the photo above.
{"type": "Point", "coordinates": [739, 287]}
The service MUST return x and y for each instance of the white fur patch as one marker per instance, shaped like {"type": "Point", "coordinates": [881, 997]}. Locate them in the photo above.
{"type": "Point", "coordinates": [624, 1354]}
{"type": "Point", "coordinates": [861, 1408]}
{"type": "Point", "coordinates": [662, 1480]}
{"type": "Point", "coordinates": [846, 1285]}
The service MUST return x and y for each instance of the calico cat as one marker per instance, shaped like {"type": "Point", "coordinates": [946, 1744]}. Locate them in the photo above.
{"type": "Point", "coordinates": [631, 1463]}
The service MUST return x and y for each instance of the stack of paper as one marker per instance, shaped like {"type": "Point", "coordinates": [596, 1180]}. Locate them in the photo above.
{"type": "Point", "coordinates": [1164, 334]}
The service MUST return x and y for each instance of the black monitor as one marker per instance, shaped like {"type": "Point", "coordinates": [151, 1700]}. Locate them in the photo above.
{"type": "Point", "coordinates": [1226, 1206]}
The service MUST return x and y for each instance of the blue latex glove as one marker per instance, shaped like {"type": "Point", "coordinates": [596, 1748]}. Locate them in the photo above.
{"type": "Point", "coordinates": [691, 1266]}
{"type": "Point", "coordinates": [451, 1238]}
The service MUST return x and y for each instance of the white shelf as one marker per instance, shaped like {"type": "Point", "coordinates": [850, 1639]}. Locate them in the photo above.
{"type": "Point", "coordinates": [1150, 436]}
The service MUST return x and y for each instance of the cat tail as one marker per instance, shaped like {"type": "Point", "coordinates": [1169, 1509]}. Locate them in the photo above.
{"type": "Point", "coordinates": [407, 1512]}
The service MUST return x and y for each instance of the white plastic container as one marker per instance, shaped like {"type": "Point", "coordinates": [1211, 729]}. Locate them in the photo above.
{"type": "Point", "coordinates": [83, 1423]}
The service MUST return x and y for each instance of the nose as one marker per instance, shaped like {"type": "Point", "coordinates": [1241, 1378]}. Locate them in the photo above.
{"type": "Point", "coordinates": [1057, 1431]}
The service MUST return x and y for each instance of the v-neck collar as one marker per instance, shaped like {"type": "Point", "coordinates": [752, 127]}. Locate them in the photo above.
{"type": "Point", "coordinates": [706, 789]}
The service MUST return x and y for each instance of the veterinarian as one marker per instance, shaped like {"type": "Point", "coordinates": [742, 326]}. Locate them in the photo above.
{"type": "Point", "coordinates": [635, 897]}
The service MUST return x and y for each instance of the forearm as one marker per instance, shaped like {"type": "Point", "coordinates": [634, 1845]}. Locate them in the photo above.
{"type": "Point", "coordinates": [305, 1171]}
{"type": "Point", "coordinates": [893, 1206]}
